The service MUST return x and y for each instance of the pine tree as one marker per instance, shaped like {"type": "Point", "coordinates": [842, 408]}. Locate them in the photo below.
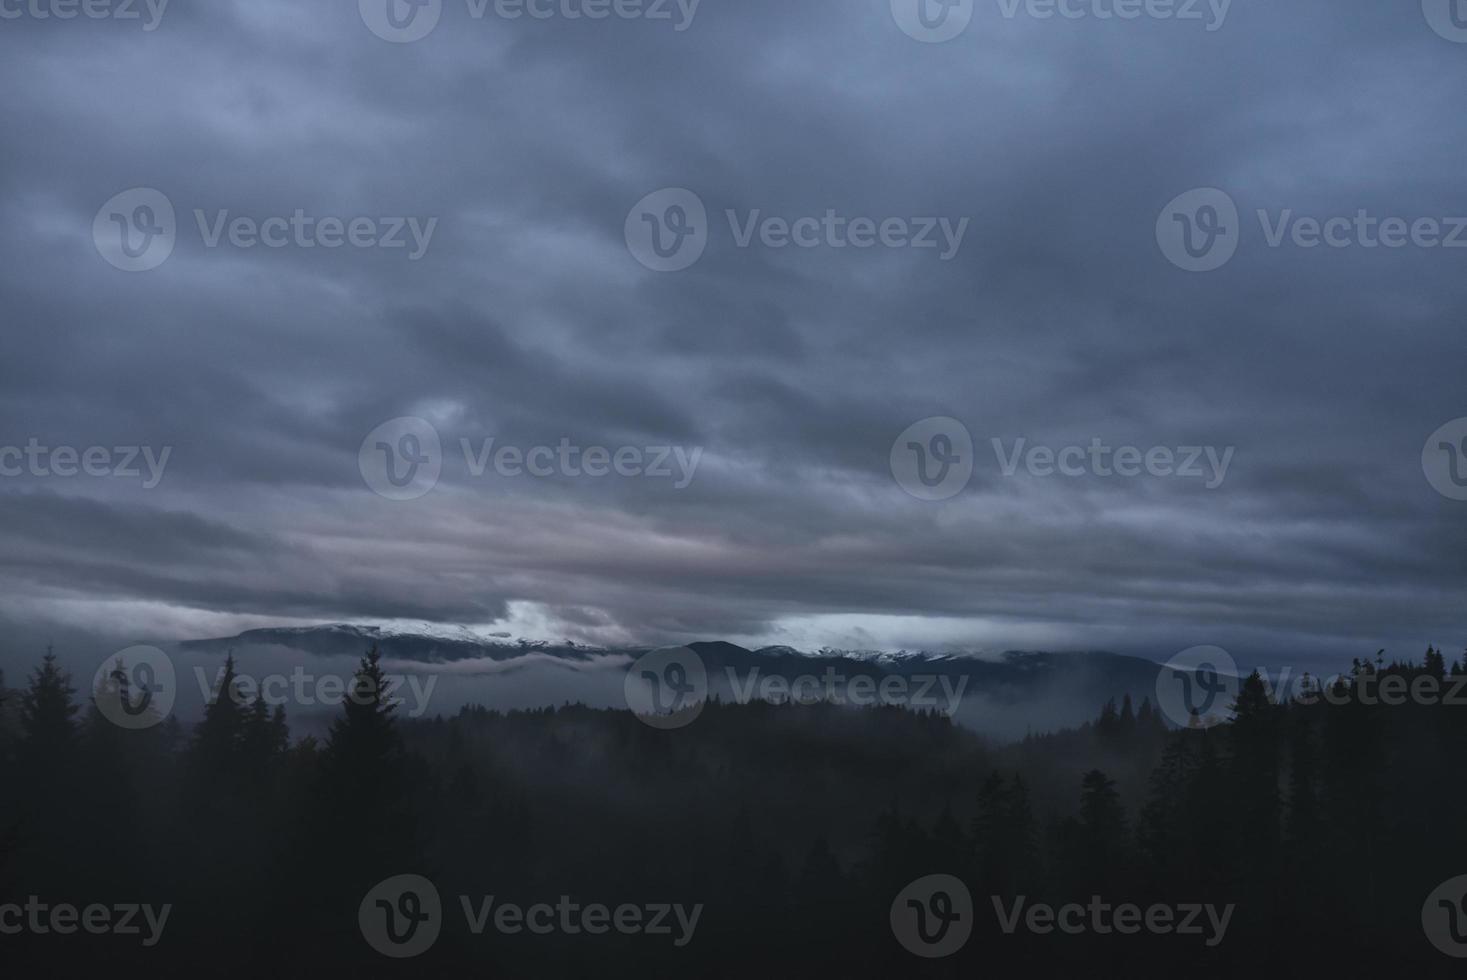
{"type": "Point", "coordinates": [111, 757]}
{"type": "Point", "coordinates": [279, 731]}
{"type": "Point", "coordinates": [1253, 699]}
{"type": "Point", "coordinates": [363, 745]}
{"type": "Point", "coordinates": [1254, 773]}
{"type": "Point", "coordinates": [1092, 850]}
{"type": "Point", "coordinates": [1022, 835]}
{"type": "Point", "coordinates": [1161, 829]}
{"type": "Point", "coordinates": [887, 865]}
{"type": "Point", "coordinates": [47, 710]}
{"type": "Point", "coordinates": [1435, 664]}
{"type": "Point", "coordinates": [1303, 821]}
{"type": "Point", "coordinates": [822, 894]}
{"type": "Point", "coordinates": [988, 833]}
{"type": "Point", "coordinates": [218, 737]}
{"type": "Point", "coordinates": [948, 842]}
{"type": "Point", "coordinates": [363, 823]}
{"type": "Point", "coordinates": [821, 877]}
{"type": "Point", "coordinates": [264, 737]}
{"type": "Point", "coordinates": [1148, 720]}
{"type": "Point", "coordinates": [1101, 815]}
{"type": "Point", "coordinates": [112, 697]}
{"type": "Point", "coordinates": [49, 817]}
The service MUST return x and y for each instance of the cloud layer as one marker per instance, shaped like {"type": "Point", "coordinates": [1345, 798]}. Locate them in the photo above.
{"type": "Point", "coordinates": [528, 320]}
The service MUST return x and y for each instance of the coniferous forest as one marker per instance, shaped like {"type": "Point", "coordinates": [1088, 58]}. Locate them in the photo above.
{"type": "Point", "coordinates": [1325, 826]}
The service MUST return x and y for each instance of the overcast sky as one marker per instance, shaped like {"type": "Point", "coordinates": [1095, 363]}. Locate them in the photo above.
{"type": "Point", "coordinates": [527, 313]}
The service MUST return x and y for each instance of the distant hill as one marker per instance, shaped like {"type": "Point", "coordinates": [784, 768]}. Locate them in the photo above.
{"type": "Point", "coordinates": [1008, 694]}
{"type": "Point", "coordinates": [431, 645]}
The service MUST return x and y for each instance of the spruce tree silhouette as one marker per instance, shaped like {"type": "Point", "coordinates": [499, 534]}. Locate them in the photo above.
{"type": "Point", "coordinates": [1435, 664]}
{"type": "Point", "coordinates": [363, 750]}
{"type": "Point", "coordinates": [949, 844]}
{"type": "Point", "coordinates": [1254, 776]}
{"type": "Point", "coordinates": [217, 738]}
{"type": "Point", "coordinates": [366, 802]}
{"type": "Point", "coordinates": [47, 718]}
{"type": "Point", "coordinates": [824, 903]}
{"type": "Point", "coordinates": [1149, 721]}
{"type": "Point", "coordinates": [1126, 723]}
{"type": "Point", "coordinates": [112, 695]}
{"type": "Point", "coordinates": [1005, 837]}
{"type": "Point", "coordinates": [1162, 830]}
{"type": "Point", "coordinates": [1099, 843]}
{"type": "Point", "coordinates": [1021, 833]}
{"type": "Point", "coordinates": [1302, 826]}
{"type": "Point", "coordinates": [49, 818]}
{"type": "Point", "coordinates": [988, 833]}
{"type": "Point", "coordinates": [263, 740]}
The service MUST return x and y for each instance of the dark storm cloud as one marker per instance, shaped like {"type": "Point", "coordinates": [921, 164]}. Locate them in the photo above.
{"type": "Point", "coordinates": [527, 320]}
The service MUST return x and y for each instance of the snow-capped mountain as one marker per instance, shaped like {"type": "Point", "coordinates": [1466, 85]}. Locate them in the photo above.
{"type": "Point", "coordinates": [1008, 681]}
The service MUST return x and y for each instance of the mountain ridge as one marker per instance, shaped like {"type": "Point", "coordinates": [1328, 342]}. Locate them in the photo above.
{"type": "Point", "coordinates": [1008, 690]}
{"type": "Point", "coordinates": [459, 643]}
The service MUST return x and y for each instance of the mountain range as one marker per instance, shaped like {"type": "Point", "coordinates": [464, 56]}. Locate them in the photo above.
{"type": "Point", "coordinates": [1007, 694]}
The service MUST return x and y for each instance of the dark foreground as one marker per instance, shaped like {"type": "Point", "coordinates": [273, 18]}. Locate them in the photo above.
{"type": "Point", "coordinates": [761, 840]}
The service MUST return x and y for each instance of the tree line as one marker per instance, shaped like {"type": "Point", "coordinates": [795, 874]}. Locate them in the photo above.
{"type": "Point", "coordinates": [1326, 822]}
